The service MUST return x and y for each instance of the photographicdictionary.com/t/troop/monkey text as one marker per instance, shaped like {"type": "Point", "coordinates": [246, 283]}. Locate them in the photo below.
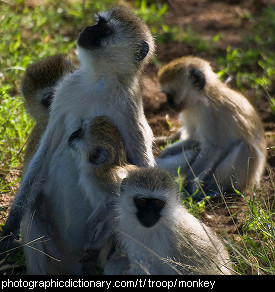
{"type": "Point", "coordinates": [213, 283]}
{"type": "Point", "coordinates": [106, 284]}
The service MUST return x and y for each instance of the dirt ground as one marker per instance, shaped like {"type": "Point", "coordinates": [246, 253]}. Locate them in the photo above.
{"type": "Point", "coordinates": [210, 18]}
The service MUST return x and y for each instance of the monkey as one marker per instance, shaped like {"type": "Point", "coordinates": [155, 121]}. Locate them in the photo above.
{"type": "Point", "coordinates": [157, 233]}
{"type": "Point", "coordinates": [166, 239]}
{"type": "Point", "coordinates": [222, 144]}
{"type": "Point", "coordinates": [113, 53]}
{"type": "Point", "coordinates": [38, 84]}
{"type": "Point", "coordinates": [102, 162]}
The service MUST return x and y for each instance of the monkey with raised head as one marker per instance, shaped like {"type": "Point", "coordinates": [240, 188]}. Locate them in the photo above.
{"type": "Point", "coordinates": [113, 53]}
{"type": "Point", "coordinates": [228, 135]}
{"type": "Point", "coordinates": [158, 235]}
{"type": "Point", "coordinates": [38, 87]}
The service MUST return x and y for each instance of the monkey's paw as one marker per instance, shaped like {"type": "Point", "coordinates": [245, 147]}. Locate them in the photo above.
{"type": "Point", "coordinates": [89, 261]}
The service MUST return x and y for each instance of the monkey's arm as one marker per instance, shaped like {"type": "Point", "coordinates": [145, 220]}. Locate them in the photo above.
{"type": "Point", "coordinates": [179, 155]}
{"type": "Point", "coordinates": [28, 193]}
{"type": "Point", "coordinates": [32, 145]}
{"type": "Point", "coordinates": [179, 147]}
{"type": "Point", "coordinates": [163, 139]}
{"type": "Point", "coordinates": [137, 138]}
{"type": "Point", "coordinates": [33, 181]}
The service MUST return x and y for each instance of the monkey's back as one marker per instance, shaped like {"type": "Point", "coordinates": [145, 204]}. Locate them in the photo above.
{"type": "Point", "coordinates": [197, 247]}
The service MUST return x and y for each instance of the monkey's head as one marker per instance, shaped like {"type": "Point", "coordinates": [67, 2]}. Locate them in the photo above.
{"type": "Point", "coordinates": [119, 41]}
{"type": "Point", "coordinates": [185, 80]}
{"type": "Point", "coordinates": [99, 147]}
{"type": "Point", "coordinates": [147, 194]}
{"type": "Point", "coordinates": [39, 82]}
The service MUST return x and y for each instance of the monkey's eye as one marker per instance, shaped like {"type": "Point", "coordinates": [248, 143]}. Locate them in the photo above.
{"type": "Point", "coordinates": [141, 202]}
{"type": "Point", "coordinates": [107, 30]}
{"type": "Point", "coordinates": [159, 203]}
{"type": "Point", "coordinates": [103, 24]}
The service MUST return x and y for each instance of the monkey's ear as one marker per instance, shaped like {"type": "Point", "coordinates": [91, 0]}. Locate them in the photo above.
{"type": "Point", "coordinates": [47, 99]}
{"type": "Point", "coordinates": [197, 78]}
{"type": "Point", "coordinates": [99, 155]}
{"type": "Point", "coordinates": [142, 52]}
{"type": "Point", "coordinates": [75, 136]}
{"type": "Point", "coordinates": [122, 185]}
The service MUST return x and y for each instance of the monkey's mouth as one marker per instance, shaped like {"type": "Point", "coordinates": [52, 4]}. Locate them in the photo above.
{"type": "Point", "coordinates": [149, 220]}
{"type": "Point", "coordinates": [170, 98]}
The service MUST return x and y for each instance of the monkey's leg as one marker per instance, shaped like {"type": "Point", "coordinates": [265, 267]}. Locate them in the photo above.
{"type": "Point", "coordinates": [201, 167]}
{"type": "Point", "coordinates": [233, 170]}
{"type": "Point", "coordinates": [43, 250]}
{"type": "Point", "coordinates": [33, 236]}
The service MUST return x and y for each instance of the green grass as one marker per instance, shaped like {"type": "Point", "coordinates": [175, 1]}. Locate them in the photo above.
{"type": "Point", "coordinates": [254, 252]}
{"type": "Point", "coordinates": [29, 33]}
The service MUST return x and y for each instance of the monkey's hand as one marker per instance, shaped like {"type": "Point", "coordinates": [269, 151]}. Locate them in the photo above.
{"type": "Point", "coordinates": [172, 150]}
{"type": "Point", "coordinates": [8, 245]}
{"type": "Point", "coordinates": [160, 140]}
{"type": "Point", "coordinates": [9, 240]}
{"type": "Point", "coordinates": [89, 261]}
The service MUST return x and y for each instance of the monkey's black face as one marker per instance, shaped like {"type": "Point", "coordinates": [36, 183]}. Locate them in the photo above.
{"type": "Point", "coordinates": [92, 36]}
{"type": "Point", "coordinates": [148, 210]}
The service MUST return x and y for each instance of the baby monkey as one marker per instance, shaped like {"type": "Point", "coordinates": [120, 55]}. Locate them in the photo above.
{"type": "Point", "coordinates": [38, 87]}
{"type": "Point", "coordinates": [102, 164]}
{"type": "Point", "coordinates": [222, 144]}
{"type": "Point", "coordinates": [158, 235]}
